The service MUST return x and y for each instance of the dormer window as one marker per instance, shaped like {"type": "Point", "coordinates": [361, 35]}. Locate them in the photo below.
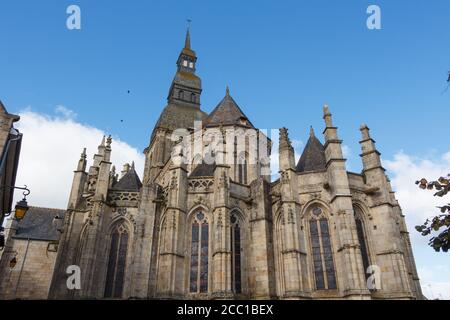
{"type": "Point", "coordinates": [185, 63]}
{"type": "Point", "coordinates": [191, 65]}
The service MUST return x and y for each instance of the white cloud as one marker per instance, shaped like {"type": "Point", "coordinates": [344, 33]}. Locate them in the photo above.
{"type": "Point", "coordinates": [418, 205]}
{"type": "Point", "coordinates": [50, 152]}
{"type": "Point", "coordinates": [432, 287]}
{"type": "Point", "coordinates": [65, 112]}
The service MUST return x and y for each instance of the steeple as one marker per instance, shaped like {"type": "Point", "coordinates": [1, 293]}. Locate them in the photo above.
{"type": "Point", "coordinates": [187, 41]}
{"type": "Point", "coordinates": [186, 86]}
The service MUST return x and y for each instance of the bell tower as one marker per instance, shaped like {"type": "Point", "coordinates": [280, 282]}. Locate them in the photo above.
{"type": "Point", "coordinates": [186, 86]}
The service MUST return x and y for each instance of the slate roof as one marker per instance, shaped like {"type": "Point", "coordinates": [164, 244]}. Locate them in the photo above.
{"type": "Point", "coordinates": [313, 156]}
{"type": "Point", "coordinates": [129, 182]}
{"type": "Point", "coordinates": [38, 224]}
{"type": "Point", "coordinates": [203, 170]}
{"type": "Point", "coordinates": [227, 112]}
{"type": "Point", "coordinates": [176, 116]}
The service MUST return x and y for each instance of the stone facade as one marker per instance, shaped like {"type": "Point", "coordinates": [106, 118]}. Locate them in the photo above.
{"type": "Point", "coordinates": [28, 259]}
{"type": "Point", "coordinates": [207, 222]}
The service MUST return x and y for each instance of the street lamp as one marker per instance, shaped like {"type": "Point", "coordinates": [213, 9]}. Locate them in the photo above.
{"type": "Point", "coordinates": [21, 207]}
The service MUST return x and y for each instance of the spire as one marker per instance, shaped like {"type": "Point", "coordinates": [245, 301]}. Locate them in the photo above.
{"type": "Point", "coordinates": [186, 86]}
{"type": "Point", "coordinates": [132, 165]}
{"type": "Point", "coordinates": [187, 51]}
{"type": "Point", "coordinates": [187, 41]}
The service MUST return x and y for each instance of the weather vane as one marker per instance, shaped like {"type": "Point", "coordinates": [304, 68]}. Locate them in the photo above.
{"type": "Point", "coordinates": [189, 23]}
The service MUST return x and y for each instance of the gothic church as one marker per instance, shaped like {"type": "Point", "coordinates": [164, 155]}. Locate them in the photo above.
{"type": "Point", "coordinates": [223, 230]}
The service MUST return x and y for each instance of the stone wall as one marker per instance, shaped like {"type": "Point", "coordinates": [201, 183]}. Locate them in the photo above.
{"type": "Point", "coordinates": [34, 268]}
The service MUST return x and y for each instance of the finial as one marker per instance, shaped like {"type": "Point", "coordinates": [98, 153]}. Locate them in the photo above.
{"type": "Point", "coordinates": [311, 132]}
{"type": "Point", "coordinates": [83, 154]}
{"type": "Point", "coordinates": [364, 131]}
{"type": "Point", "coordinates": [113, 170]}
{"type": "Point", "coordinates": [132, 165]}
{"type": "Point", "coordinates": [284, 137]}
{"type": "Point", "coordinates": [187, 42]}
{"type": "Point", "coordinates": [327, 116]}
{"type": "Point", "coordinates": [108, 141]}
{"type": "Point", "coordinates": [228, 91]}
{"type": "Point", "coordinates": [102, 144]}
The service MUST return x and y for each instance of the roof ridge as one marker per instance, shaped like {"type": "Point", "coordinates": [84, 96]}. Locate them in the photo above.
{"type": "Point", "coordinates": [45, 208]}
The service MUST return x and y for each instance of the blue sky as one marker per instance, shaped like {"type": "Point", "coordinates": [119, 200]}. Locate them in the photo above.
{"type": "Point", "coordinates": [282, 60]}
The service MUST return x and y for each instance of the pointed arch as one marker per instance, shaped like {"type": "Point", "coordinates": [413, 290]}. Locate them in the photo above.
{"type": "Point", "coordinates": [236, 222]}
{"type": "Point", "coordinates": [199, 251]}
{"type": "Point", "coordinates": [321, 247]}
{"type": "Point", "coordinates": [117, 260]}
{"type": "Point", "coordinates": [362, 234]}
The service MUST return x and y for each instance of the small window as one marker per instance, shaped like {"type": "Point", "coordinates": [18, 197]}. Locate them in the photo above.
{"type": "Point", "coordinates": [191, 65]}
{"type": "Point", "coordinates": [185, 63]}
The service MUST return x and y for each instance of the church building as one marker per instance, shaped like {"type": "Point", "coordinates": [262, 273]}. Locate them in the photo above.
{"type": "Point", "coordinates": [206, 221]}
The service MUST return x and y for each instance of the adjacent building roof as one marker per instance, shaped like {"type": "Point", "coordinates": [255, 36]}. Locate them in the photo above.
{"type": "Point", "coordinates": [39, 224]}
{"type": "Point", "coordinates": [129, 182]}
{"type": "Point", "coordinates": [313, 156]}
{"type": "Point", "coordinates": [227, 113]}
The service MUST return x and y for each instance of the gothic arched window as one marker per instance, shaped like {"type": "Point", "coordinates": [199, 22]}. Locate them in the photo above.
{"type": "Point", "coordinates": [181, 94]}
{"type": "Point", "coordinates": [322, 252]}
{"type": "Point", "coordinates": [235, 236]}
{"type": "Point", "coordinates": [117, 261]}
{"type": "Point", "coordinates": [362, 238]}
{"type": "Point", "coordinates": [198, 279]}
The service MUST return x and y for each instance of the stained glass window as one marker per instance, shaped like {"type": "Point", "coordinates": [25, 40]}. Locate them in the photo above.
{"type": "Point", "coordinates": [198, 279]}
{"type": "Point", "coordinates": [362, 239]}
{"type": "Point", "coordinates": [235, 237]}
{"type": "Point", "coordinates": [322, 252]}
{"type": "Point", "coordinates": [117, 262]}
